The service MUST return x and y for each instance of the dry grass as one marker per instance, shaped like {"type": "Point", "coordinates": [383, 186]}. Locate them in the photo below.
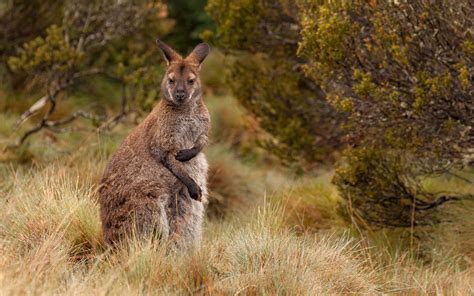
{"type": "Point", "coordinates": [312, 204]}
{"type": "Point", "coordinates": [50, 242]}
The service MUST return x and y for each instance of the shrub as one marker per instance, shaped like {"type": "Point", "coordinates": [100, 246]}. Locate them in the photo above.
{"type": "Point", "coordinates": [393, 79]}
{"type": "Point", "coordinates": [94, 39]}
{"type": "Point", "coordinates": [401, 70]}
{"type": "Point", "coordinates": [268, 80]}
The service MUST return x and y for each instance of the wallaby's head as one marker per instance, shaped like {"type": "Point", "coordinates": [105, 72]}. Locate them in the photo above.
{"type": "Point", "coordinates": [181, 84]}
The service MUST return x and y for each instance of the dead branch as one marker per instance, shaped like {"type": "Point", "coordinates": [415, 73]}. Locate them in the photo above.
{"type": "Point", "coordinates": [38, 105]}
{"type": "Point", "coordinates": [423, 205]}
{"type": "Point", "coordinates": [51, 98]}
{"type": "Point", "coordinates": [74, 116]}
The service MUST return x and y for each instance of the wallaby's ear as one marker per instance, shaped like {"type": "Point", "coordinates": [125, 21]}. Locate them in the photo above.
{"type": "Point", "coordinates": [168, 53]}
{"type": "Point", "coordinates": [199, 53]}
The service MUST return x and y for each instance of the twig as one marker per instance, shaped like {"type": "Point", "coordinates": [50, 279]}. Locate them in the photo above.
{"type": "Point", "coordinates": [459, 177]}
{"type": "Point", "coordinates": [69, 119]}
{"type": "Point", "coordinates": [52, 99]}
{"type": "Point", "coordinates": [38, 105]}
{"type": "Point", "coordinates": [32, 110]}
{"type": "Point", "coordinates": [423, 206]}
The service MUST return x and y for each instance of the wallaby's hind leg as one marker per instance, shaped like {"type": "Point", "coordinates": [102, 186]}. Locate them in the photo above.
{"type": "Point", "coordinates": [185, 217]}
{"type": "Point", "coordinates": [143, 217]}
{"type": "Point", "coordinates": [151, 220]}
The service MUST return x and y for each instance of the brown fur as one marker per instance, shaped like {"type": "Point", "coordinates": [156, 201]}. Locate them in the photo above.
{"type": "Point", "coordinates": [148, 183]}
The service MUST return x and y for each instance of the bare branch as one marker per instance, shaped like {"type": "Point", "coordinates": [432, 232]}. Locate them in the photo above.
{"type": "Point", "coordinates": [74, 116]}
{"type": "Point", "coordinates": [38, 105]}
{"type": "Point", "coordinates": [50, 98]}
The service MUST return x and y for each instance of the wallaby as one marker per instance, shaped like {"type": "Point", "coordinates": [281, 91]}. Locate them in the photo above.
{"type": "Point", "coordinates": [155, 184]}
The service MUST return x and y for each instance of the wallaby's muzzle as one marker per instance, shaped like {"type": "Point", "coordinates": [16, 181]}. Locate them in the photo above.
{"type": "Point", "coordinates": [180, 95]}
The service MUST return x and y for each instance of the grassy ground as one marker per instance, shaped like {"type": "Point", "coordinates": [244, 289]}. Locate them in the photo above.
{"type": "Point", "coordinates": [267, 232]}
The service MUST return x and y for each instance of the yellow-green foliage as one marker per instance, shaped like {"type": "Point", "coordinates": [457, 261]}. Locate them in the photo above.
{"type": "Point", "coordinates": [325, 36]}
{"type": "Point", "coordinates": [139, 72]}
{"type": "Point", "coordinates": [376, 61]}
{"type": "Point", "coordinates": [235, 20]}
{"type": "Point", "coordinates": [379, 50]}
{"type": "Point", "coordinates": [22, 21]}
{"type": "Point", "coordinates": [364, 85]}
{"type": "Point", "coordinates": [51, 53]}
{"type": "Point", "coordinates": [95, 40]}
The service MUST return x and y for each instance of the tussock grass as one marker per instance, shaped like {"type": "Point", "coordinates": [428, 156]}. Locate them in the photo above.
{"type": "Point", "coordinates": [229, 186]}
{"type": "Point", "coordinates": [312, 204]}
{"type": "Point", "coordinates": [50, 242]}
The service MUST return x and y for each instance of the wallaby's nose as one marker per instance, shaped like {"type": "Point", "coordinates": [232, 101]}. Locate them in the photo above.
{"type": "Point", "coordinates": [180, 93]}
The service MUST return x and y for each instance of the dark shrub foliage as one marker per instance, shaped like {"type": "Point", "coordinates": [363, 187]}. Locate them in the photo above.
{"type": "Point", "coordinates": [403, 72]}
{"type": "Point", "coordinates": [267, 78]}
{"type": "Point", "coordinates": [399, 74]}
{"type": "Point", "coordinates": [190, 21]}
{"type": "Point", "coordinates": [20, 21]}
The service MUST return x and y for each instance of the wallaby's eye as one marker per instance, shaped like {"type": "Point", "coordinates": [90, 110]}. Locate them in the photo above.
{"type": "Point", "coordinates": [170, 81]}
{"type": "Point", "coordinates": [191, 81]}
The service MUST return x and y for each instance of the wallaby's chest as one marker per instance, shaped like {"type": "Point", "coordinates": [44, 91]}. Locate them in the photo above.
{"type": "Point", "coordinates": [181, 133]}
{"type": "Point", "coordinates": [188, 129]}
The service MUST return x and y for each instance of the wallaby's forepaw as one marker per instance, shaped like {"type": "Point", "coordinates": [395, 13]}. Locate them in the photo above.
{"type": "Point", "coordinates": [186, 154]}
{"type": "Point", "coordinates": [195, 192]}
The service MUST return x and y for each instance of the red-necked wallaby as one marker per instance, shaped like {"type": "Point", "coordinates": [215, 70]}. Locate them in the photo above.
{"type": "Point", "coordinates": [155, 184]}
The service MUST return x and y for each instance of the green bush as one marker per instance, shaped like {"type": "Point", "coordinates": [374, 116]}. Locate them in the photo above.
{"type": "Point", "coordinates": [402, 71]}
{"type": "Point", "coordinates": [190, 20]}
{"type": "Point", "coordinates": [267, 78]}
{"type": "Point", "coordinates": [381, 188]}
{"type": "Point", "coordinates": [399, 70]}
{"type": "Point", "coordinates": [21, 21]}
{"type": "Point", "coordinates": [392, 79]}
{"type": "Point", "coordinates": [93, 41]}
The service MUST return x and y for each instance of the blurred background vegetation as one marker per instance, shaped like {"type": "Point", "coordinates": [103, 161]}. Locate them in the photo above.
{"type": "Point", "coordinates": [356, 115]}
